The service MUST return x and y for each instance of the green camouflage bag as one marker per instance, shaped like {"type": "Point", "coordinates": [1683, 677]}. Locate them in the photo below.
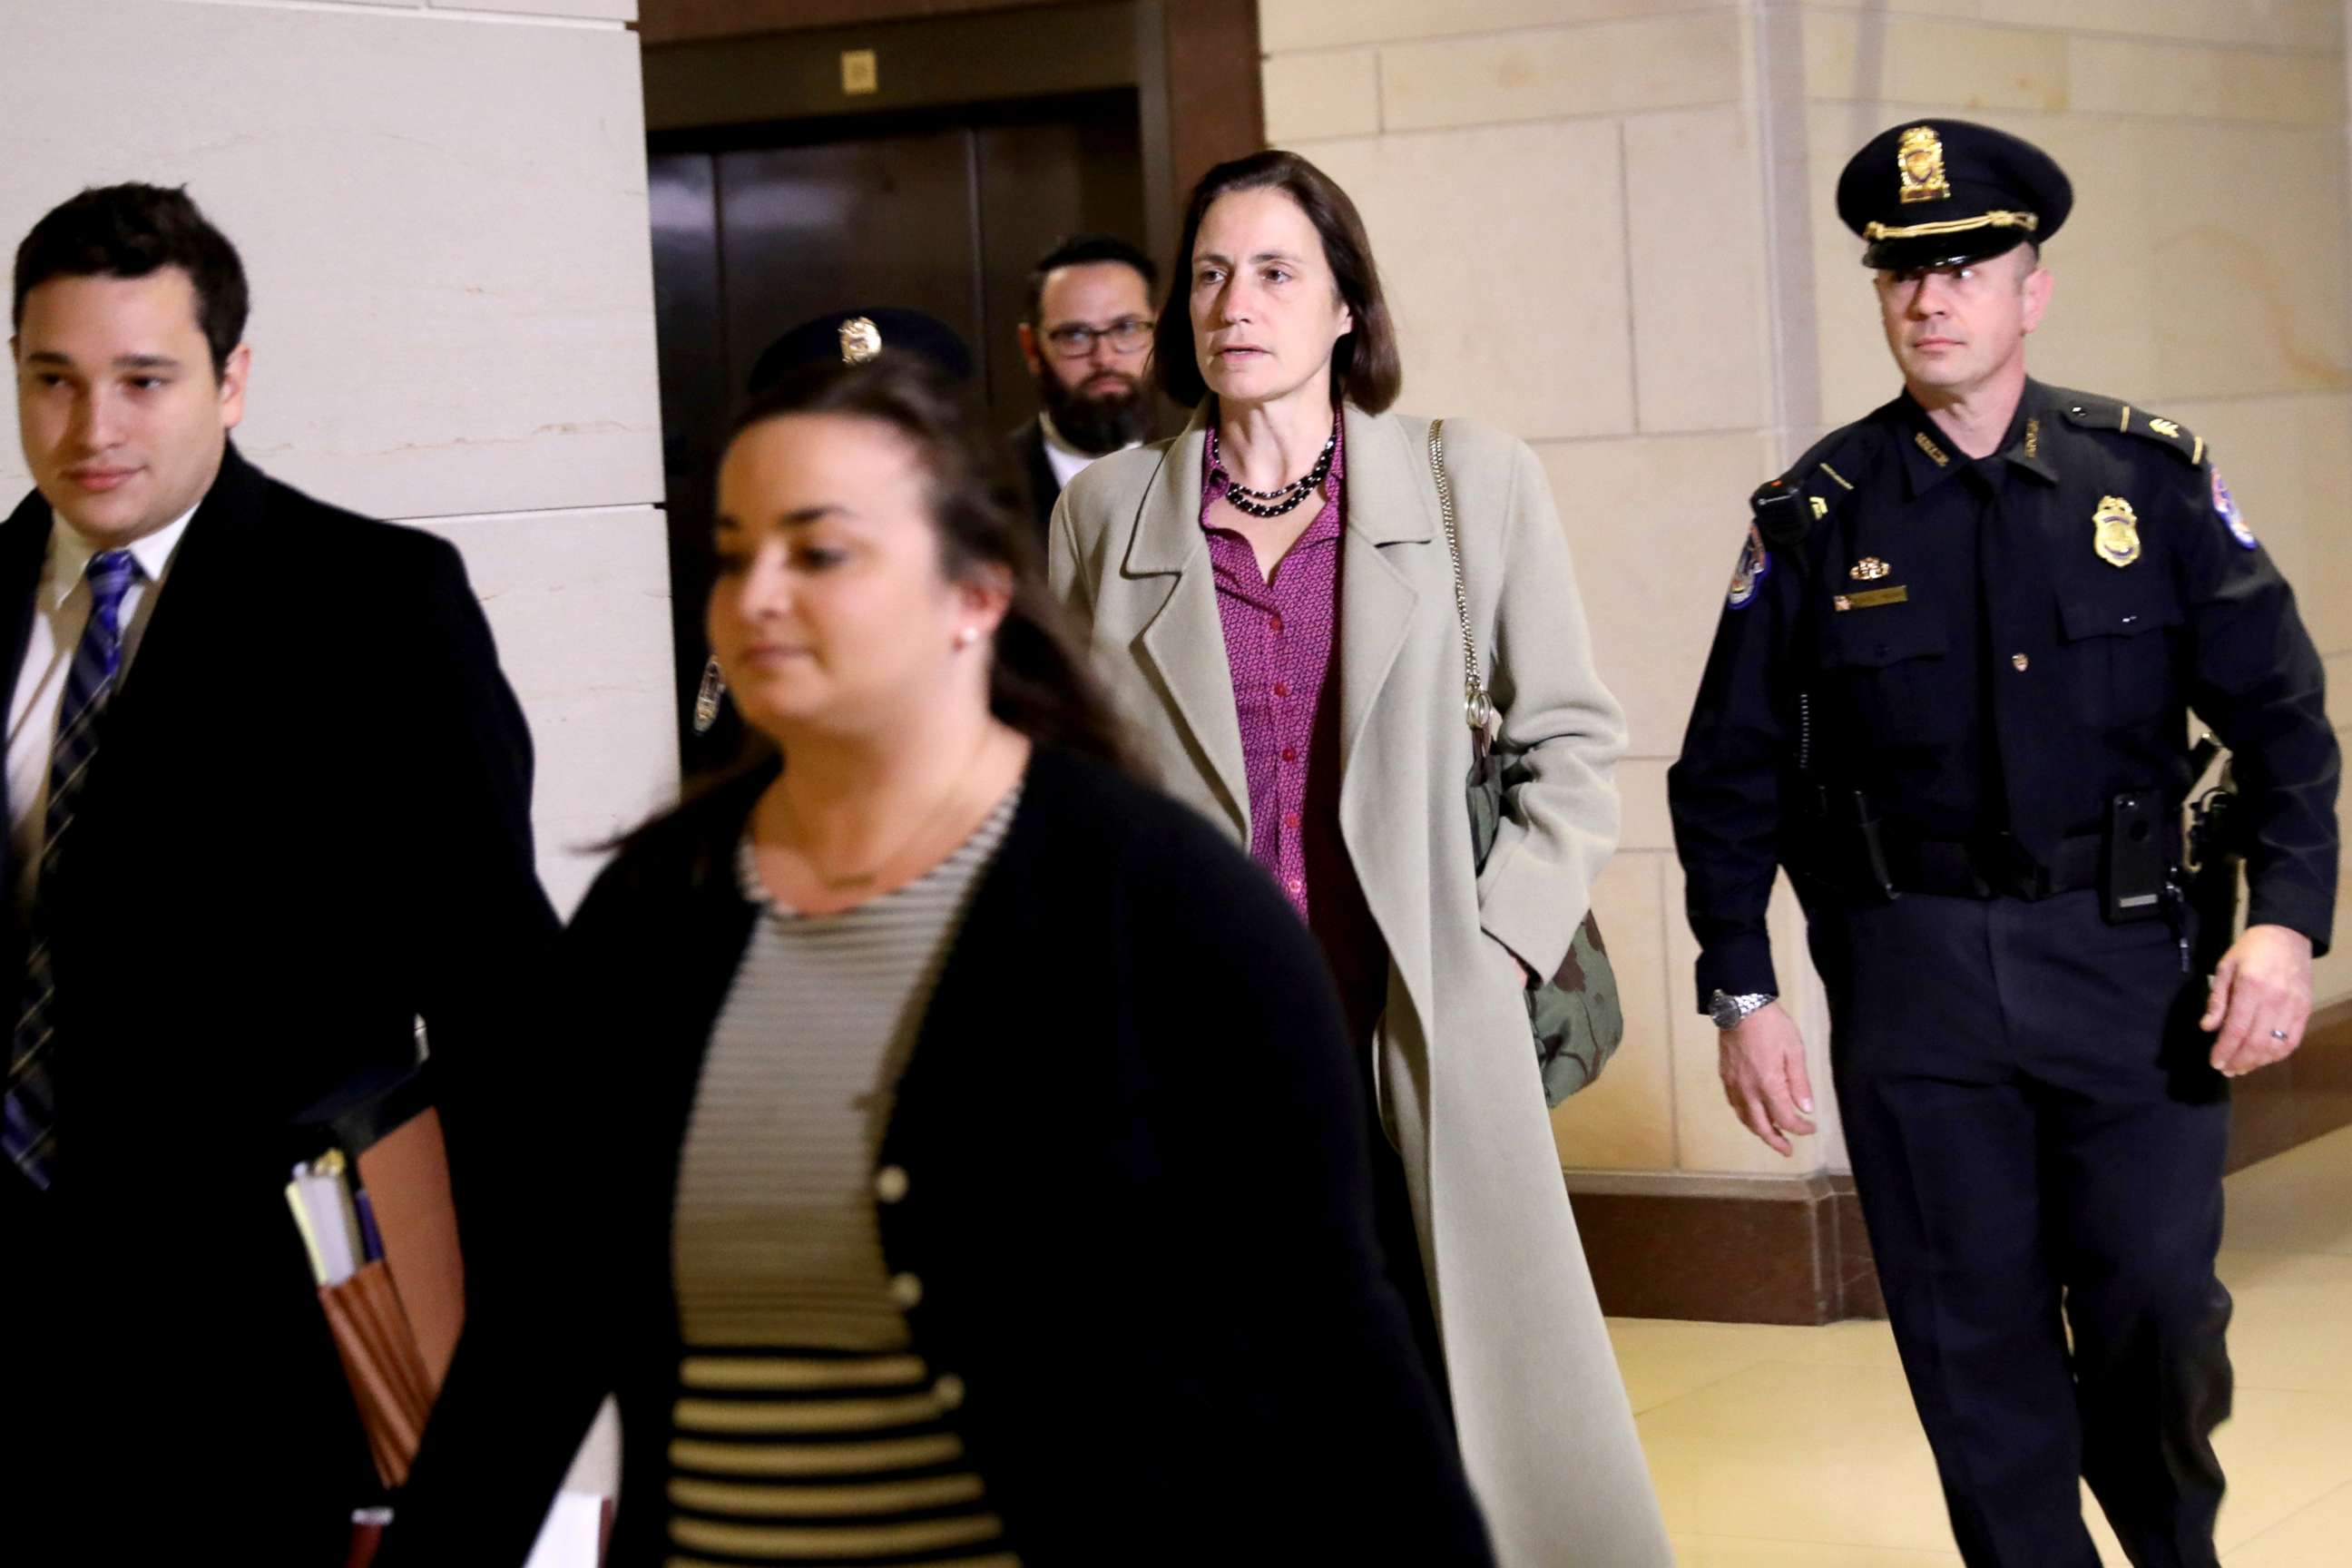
{"type": "Point", "coordinates": [1576, 1017]}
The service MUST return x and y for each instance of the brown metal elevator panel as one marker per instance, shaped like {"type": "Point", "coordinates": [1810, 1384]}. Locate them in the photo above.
{"type": "Point", "coordinates": [944, 214]}
{"type": "Point", "coordinates": [886, 221]}
{"type": "Point", "coordinates": [1040, 183]}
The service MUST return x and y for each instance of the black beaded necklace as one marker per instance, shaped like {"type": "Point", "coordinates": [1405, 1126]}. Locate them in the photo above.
{"type": "Point", "coordinates": [1276, 502]}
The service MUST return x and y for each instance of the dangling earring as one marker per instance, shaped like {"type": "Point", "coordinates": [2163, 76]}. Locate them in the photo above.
{"type": "Point", "coordinates": [706, 701]}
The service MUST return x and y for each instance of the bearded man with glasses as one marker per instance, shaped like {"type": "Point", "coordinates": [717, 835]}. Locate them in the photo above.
{"type": "Point", "coordinates": [1087, 338]}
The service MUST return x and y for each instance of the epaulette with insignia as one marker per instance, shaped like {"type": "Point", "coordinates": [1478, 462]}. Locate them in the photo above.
{"type": "Point", "coordinates": [1786, 507]}
{"type": "Point", "coordinates": [2094, 413]}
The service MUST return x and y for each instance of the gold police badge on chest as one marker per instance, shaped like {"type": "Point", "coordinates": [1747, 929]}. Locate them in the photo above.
{"type": "Point", "coordinates": [2116, 532]}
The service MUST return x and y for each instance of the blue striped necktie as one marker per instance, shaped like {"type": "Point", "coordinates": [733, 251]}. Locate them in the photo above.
{"type": "Point", "coordinates": [30, 1134]}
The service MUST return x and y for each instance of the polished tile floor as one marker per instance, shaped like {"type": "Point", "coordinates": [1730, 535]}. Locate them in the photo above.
{"type": "Point", "coordinates": [1779, 1447]}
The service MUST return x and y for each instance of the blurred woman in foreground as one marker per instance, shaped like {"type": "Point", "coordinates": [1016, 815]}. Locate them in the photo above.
{"type": "Point", "coordinates": [922, 1220]}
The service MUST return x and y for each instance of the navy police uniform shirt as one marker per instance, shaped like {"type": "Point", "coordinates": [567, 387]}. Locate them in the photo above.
{"type": "Point", "coordinates": [1990, 651]}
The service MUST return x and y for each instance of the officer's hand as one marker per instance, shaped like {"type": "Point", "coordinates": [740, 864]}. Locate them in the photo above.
{"type": "Point", "coordinates": [2262, 999]}
{"type": "Point", "coordinates": [1763, 1066]}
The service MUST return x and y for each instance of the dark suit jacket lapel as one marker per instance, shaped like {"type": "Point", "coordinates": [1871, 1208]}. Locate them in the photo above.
{"type": "Point", "coordinates": [202, 593]}
{"type": "Point", "coordinates": [24, 546]}
{"type": "Point", "coordinates": [1045, 489]}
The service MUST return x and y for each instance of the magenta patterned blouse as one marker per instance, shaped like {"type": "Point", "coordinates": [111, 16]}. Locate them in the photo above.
{"type": "Point", "coordinates": [1281, 643]}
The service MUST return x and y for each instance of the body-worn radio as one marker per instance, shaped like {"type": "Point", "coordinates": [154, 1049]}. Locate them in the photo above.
{"type": "Point", "coordinates": [2135, 870]}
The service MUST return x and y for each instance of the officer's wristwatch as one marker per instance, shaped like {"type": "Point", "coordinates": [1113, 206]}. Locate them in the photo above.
{"type": "Point", "coordinates": [1728, 1011]}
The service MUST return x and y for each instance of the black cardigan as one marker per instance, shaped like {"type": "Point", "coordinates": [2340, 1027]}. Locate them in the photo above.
{"type": "Point", "coordinates": [1137, 1199]}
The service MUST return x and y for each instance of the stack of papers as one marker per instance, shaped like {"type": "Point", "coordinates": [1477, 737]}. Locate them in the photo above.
{"type": "Point", "coordinates": [389, 1382]}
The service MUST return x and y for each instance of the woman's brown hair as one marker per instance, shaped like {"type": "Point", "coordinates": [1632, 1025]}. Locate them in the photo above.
{"type": "Point", "coordinates": [1038, 680]}
{"type": "Point", "coordinates": [1366, 368]}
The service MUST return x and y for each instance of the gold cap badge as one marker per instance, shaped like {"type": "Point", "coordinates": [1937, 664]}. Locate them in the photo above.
{"type": "Point", "coordinates": [2116, 534]}
{"type": "Point", "coordinates": [1920, 158]}
{"type": "Point", "coordinates": [861, 341]}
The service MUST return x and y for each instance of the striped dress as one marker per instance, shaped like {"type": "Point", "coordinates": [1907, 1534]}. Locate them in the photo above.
{"type": "Point", "coordinates": [807, 1430]}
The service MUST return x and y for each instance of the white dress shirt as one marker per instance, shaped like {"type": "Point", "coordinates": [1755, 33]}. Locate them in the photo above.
{"type": "Point", "coordinates": [60, 612]}
{"type": "Point", "coordinates": [1066, 461]}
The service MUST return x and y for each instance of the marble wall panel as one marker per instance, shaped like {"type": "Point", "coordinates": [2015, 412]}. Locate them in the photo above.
{"type": "Point", "coordinates": [597, 10]}
{"type": "Point", "coordinates": [1318, 24]}
{"type": "Point", "coordinates": [1605, 69]}
{"type": "Point", "coordinates": [1503, 252]}
{"type": "Point", "coordinates": [445, 222]}
{"type": "Point", "coordinates": [1695, 226]}
{"type": "Point", "coordinates": [2271, 24]}
{"type": "Point", "coordinates": [1644, 822]}
{"type": "Point", "coordinates": [1658, 524]}
{"type": "Point", "coordinates": [578, 603]}
{"type": "Point", "coordinates": [2340, 690]}
{"type": "Point", "coordinates": [2331, 979]}
{"type": "Point", "coordinates": [1330, 93]}
{"type": "Point", "coordinates": [1876, 56]}
{"type": "Point", "coordinates": [2178, 81]}
{"type": "Point", "coordinates": [491, 10]}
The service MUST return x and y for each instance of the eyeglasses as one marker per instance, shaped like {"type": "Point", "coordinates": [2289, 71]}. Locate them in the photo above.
{"type": "Point", "coordinates": [1075, 340]}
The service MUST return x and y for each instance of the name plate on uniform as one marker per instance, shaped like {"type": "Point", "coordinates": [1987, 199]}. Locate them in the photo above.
{"type": "Point", "coordinates": [1870, 598]}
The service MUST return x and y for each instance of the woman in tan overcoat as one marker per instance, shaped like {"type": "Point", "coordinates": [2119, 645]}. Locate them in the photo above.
{"type": "Point", "coordinates": [1272, 592]}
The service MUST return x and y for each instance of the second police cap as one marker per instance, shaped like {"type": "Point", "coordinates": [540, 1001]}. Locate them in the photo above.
{"type": "Point", "coordinates": [853, 337]}
{"type": "Point", "coordinates": [1938, 193]}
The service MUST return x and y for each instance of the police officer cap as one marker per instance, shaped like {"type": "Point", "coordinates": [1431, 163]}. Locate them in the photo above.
{"type": "Point", "coordinates": [1938, 193]}
{"type": "Point", "coordinates": [853, 337]}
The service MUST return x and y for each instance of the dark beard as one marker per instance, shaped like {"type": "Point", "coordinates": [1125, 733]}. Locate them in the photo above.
{"type": "Point", "coordinates": [1096, 424]}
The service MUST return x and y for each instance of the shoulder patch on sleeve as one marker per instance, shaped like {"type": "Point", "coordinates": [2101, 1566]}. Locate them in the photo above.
{"type": "Point", "coordinates": [1755, 565]}
{"type": "Point", "coordinates": [2225, 507]}
{"type": "Point", "coordinates": [2090, 413]}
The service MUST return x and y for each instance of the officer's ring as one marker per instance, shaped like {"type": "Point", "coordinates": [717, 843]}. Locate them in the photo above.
{"type": "Point", "coordinates": [2278, 1034]}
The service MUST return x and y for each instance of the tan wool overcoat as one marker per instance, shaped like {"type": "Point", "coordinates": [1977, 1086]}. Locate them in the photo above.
{"type": "Point", "coordinates": [1547, 1435]}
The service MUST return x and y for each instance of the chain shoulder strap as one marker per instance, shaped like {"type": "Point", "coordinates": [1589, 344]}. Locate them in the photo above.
{"type": "Point", "coordinates": [1478, 708]}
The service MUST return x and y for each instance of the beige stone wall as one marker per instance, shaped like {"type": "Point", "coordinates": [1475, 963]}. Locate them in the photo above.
{"type": "Point", "coordinates": [443, 213]}
{"type": "Point", "coordinates": [1607, 226]}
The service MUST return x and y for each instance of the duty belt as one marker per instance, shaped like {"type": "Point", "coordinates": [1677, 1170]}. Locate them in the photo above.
{"type": "Point", "coordinates": [1999, 868]}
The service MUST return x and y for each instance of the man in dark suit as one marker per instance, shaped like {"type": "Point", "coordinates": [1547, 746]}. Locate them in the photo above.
{"type": "Point", "coordinates": [1087, 338]}
{"type": "Point", "coordinates": [268, 806]}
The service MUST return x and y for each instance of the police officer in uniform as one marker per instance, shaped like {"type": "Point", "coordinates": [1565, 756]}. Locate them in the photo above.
{"type": "Point", "coordinates": [1950, 692]}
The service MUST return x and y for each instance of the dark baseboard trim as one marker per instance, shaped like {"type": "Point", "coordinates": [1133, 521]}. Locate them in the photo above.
{"type": "Point", "coordinates": [1725, 1250]}
{"type": "Point", "coordinates": [2305, 1097]}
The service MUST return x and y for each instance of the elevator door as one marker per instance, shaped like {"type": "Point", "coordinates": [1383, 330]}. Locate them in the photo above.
{"type": "Point", "coordinates": [754, 235]}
